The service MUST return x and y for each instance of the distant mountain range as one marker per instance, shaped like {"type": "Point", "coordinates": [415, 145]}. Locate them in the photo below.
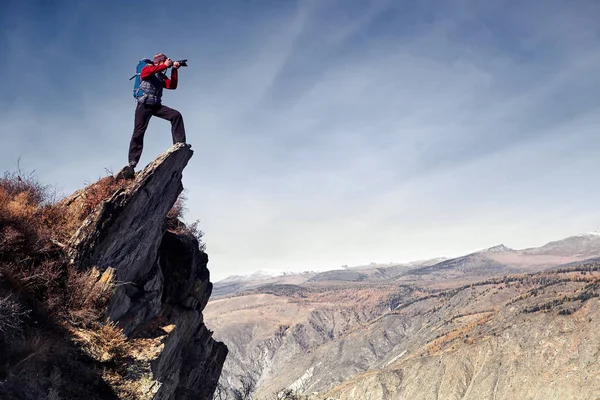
{"type": "Point", "coordinates": [487, 262]}
{"type": "Point", "coordinates": [494, 324]}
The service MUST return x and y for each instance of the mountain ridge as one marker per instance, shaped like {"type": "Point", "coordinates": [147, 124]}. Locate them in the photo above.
{"type": "Point", "coordinates": [354, 337]}
{"type": "Point", "coordinates": [500, 259]}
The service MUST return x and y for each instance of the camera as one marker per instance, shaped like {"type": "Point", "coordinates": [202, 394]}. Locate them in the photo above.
{"type": "Point", "coordinates": [182, 63]}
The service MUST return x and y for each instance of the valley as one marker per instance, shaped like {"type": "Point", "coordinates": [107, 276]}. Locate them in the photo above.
{"type": "Point", "coordinates": [496, 324]}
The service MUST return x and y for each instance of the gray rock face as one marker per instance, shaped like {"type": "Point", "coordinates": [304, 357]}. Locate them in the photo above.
{"type": "Point", "coordinates": [185, 283]}
{"type": "Point", "coordinates": [162, 277]}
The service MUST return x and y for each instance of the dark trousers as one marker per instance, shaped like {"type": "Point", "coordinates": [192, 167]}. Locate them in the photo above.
{"type": "Point", "coordinates": [143, 113]}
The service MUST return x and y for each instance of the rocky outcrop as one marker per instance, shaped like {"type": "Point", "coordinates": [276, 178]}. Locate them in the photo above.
{"type": "Point", "coordinates": [162, 280]}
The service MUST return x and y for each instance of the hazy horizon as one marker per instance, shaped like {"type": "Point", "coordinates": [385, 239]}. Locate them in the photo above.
{"type": "Point", "coordinates": [446, 257]}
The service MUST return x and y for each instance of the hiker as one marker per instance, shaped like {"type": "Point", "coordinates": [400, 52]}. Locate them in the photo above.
{"type": "Point", "coordinates": [152, 80]}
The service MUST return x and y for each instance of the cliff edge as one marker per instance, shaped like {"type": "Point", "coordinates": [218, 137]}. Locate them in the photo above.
{"type": "Point", "coordinates": [148, 273]}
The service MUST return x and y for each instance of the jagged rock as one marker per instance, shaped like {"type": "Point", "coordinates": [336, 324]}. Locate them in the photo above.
{"type": "Point", "coordinates": [126, 231]}
{"type": "Point", "coordinates": [162, 279]}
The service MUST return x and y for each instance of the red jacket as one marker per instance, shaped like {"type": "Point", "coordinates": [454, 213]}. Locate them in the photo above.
{"type": "Point", "coordinates": [150, 70]}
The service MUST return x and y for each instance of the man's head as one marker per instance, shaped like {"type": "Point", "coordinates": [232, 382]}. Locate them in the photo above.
{"type": "Point", "coordinates": [159, 58]}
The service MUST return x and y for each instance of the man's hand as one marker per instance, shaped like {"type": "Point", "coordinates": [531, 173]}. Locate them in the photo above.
{"type": "Point", "coordinates": [168, 62]}
{"type": "Point", "coordinates": [176, 65]}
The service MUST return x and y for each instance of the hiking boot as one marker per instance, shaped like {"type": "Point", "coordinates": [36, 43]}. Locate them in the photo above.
{"type": "Point", "coordinates": [126, 173]}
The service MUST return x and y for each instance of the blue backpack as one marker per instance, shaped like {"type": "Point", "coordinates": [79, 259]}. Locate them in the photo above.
{"type": "Point", "coordinates": [137, 92]}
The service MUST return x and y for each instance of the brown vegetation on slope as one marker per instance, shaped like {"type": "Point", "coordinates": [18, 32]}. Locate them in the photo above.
{"type": "Point", "coordinates": [49, 312]}
{"type": "Point", "coordinates": [41, 297]}
{"type": "Point", "coordinates": [425, 326]}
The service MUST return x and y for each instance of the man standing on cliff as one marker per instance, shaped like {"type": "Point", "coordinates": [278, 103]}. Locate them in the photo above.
{"type": "Point", "coordinates": [153, 80]}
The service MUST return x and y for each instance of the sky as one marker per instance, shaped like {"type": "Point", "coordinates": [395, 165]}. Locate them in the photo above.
{"type": "Point", "coordinates": [325, 133]}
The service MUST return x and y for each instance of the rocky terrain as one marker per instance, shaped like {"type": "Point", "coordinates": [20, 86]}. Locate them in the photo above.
{"type": "Point", "coordinates": [496, 324]}
{"type": "Point", "coordinates": [102, 294]}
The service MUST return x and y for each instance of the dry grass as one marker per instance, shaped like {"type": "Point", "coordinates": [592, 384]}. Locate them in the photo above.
{"type": "Point", "coordinates": [33, 264]}
{"type": "Point", "coordinates": [88, 294]}
{"type": "Point", "coordinates": [30, 263]}
{"type": "Point", "coordinates": [41, 297]}
{"type": "Point", "coordinates": [65, 217]}
{"type": "Point", "coordinates": [175, 222]}
{"type": "Point", "coordinates": [106, 343]}
{"type": "Point", "coordinates": [54, 311]}
{"type": "Point", "coordinates": [11, 317]}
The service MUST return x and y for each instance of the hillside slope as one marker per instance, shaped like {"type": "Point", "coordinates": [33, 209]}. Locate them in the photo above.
{"type": "Point", "coordinates": [531, 341]}
{"type": "Point", "coordinates": [421, 336]}
{"type": "Point", "coordinates": [101, 294]}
